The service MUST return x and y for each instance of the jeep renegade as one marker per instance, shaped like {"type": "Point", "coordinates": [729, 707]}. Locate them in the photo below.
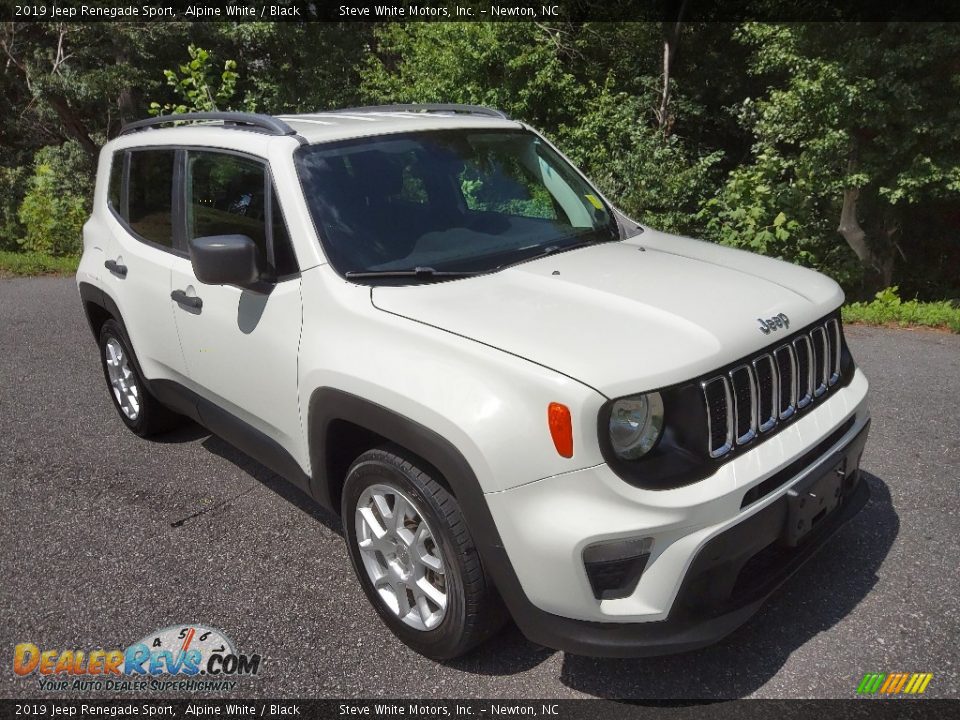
{"type": "Point", "coordinates": [521, 403]}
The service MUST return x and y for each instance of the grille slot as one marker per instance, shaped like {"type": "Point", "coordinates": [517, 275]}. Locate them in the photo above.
{"type": "Point", "coordinates": [767, 390]}
{"type": "Point", "coordinates": [719, 416]}
{"type": "Point", "coordinates": [744, 403]}
{"type": "Point", "coordinates": [765, 370]}
{"type": "Point", "coordinates": [833, 338]}
{"type": "Point", "coordinates": [786, 381]}
{"type": "Point", "coordinates": [821, 363]}
{"type": "Point", "coordinates": [804, 350]}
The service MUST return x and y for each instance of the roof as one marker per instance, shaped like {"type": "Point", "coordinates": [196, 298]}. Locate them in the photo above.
{"type": "Point", "coordinates": [324, 127]}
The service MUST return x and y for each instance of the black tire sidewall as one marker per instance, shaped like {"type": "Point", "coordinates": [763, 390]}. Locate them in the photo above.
{"type": "Point", "coordinates": [447, 639]}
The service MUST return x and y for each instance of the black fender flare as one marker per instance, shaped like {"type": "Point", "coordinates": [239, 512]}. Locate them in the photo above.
{"type": "Point", "coordinates": [328, 405]}
{"type": "Point", "coordinates": [90, 293]}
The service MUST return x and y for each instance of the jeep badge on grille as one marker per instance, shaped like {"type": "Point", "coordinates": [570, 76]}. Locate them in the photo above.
{"type": "Point", "coordinates": [774, 323]}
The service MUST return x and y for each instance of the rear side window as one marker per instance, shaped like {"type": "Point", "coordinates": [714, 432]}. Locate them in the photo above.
{"type": "Point", "coordinates": [116, 184]}
{"type": "Point", "coordinates": [149, 195]}
{"type": "Point", "coordinates": [232, 195]}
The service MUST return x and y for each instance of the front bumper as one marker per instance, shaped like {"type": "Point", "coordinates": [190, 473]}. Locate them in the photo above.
{"type": "Point", "coordinates": [682, 631]}
{"type": "Point", "coordinates": [716, 556]}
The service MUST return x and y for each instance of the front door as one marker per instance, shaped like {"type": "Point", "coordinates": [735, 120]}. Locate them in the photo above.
{"type": "Point", "coordinates": [241, 345]}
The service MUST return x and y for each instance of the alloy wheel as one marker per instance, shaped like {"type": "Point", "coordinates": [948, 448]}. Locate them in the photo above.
{"type": "Point", "coordinates": [122, 380]}
{"type": "Point", "coordinates": [401, 556]}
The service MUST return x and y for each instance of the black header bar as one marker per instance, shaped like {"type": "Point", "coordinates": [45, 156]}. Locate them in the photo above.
{"type": "Point", "coordinates": [426, 709]}
{"type": "Point", "coordinates": [477, 10]}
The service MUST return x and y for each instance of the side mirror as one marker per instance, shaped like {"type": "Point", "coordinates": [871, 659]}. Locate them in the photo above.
{"type": "Point", "coordinates": [225, 260]}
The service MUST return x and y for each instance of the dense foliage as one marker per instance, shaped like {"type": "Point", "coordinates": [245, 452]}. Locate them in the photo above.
{"type": "Point", "coordinates": [53, 220]}
{"type": "Point", "coordinates": [832, 145]}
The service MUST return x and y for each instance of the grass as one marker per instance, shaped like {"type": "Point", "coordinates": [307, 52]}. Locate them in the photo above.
{"type": "Point", "coordinates": [888, 309]}
{"type": "Point", "coordinates": [33, 263]}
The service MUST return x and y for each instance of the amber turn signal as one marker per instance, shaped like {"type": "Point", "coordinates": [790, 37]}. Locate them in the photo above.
{"type": "Point", "coordinates": [561, 428]}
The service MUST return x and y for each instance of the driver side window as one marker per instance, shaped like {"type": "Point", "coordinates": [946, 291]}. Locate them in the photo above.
{"type": "Point", "coordinates": [233, 195]}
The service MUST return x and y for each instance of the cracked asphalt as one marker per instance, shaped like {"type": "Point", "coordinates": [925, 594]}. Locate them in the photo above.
{"type": "Point", "coordinates": [105, 537]}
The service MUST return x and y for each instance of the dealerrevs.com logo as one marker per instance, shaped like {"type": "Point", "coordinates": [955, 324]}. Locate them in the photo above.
{"type": "Point", "coordinates": [180, 657]}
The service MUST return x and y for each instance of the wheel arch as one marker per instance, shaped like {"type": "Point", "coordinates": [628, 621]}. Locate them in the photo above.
{"type": "Point", "coordinates": [98, 307]}
{"type": "Point", "coordinates": [341, 426]}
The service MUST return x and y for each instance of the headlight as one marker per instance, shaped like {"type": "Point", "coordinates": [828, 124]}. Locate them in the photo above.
{"type": "Point", "coordinates": [635, 425]}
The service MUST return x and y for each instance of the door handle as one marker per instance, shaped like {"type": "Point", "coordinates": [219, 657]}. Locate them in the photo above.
{"type": "Point", "coordinates": [181, 298]}
{"type": "Point", "coordinates": [116, 269]}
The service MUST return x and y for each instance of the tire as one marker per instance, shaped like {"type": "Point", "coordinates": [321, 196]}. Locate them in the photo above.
{"type": "Point", "coordinates": [472, 609]}
{"type": "Point", "coordinates": [139, 410]}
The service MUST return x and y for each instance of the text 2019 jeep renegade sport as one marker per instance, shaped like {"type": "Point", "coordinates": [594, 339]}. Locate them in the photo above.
{"type": "Point", "coordinates": [520, 402]}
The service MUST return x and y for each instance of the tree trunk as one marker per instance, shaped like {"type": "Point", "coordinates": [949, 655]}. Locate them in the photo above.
{"type": "Point", "coordinates": [671, 37]}
{"type": "Point", "coordinates": [875, 255]}
{"type": "Point", "coordinates": [877, 262]}
{"type": "Point", "coordinates": [72, 125]}
{"type": "Point", "coordinates": [128, 99]}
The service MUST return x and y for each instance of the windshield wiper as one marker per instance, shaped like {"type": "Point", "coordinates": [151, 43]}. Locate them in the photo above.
{"type": "Point", "coordinates": [421, 273]}
{"type": "Point", "coordinates": [553, 249]}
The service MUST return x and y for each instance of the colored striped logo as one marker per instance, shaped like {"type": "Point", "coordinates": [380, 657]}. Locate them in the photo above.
{"type": "Point", "coordinates": [894, 683]}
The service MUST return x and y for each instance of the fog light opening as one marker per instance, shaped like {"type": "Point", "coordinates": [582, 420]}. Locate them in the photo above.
{"type": "Point", "coordinates": [614, 567]}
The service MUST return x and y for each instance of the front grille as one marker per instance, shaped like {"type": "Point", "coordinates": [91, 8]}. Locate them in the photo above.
{"type": "Point", "coordinates": [767, 390]}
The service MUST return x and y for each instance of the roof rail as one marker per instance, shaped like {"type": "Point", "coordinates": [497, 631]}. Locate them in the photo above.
{"type": "Point", "coordinates": [237, 120]}
{"type": "Point", "coordinates": [426, 108]}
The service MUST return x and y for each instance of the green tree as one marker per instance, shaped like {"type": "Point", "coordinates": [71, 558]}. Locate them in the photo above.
{"type": "Point", "coordinates": [199, 86]}
{"type": "Point", "coordinates": [82, 81]}
{"type": "Point", "coordinates": [596, 89]}
{"type": "Point", "coordinates": [296, 67]}
{"type": "Point", "coordinates": [522, 68]}
{"type": "Point", "coordinates": [651, 173]}
{"type": "Point", "coordinates": [854, 137]}
{"type": "Point", "coordinates": [13, 182]}
{"type": "Point", "coordinates": [56, 203]}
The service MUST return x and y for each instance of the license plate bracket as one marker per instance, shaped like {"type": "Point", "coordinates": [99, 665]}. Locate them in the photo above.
{"type": "Point", "coordinates": [811, 501]}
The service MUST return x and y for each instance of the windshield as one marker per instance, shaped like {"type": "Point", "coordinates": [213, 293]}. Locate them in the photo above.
{"type": "Point", "coordinates": [458, 201]}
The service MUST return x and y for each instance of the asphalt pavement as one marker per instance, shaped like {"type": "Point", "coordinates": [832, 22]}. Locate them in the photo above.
{"type": "Point", "coordinates": [106, 537]}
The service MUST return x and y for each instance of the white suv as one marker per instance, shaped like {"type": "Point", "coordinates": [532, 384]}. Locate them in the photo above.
{"type": "Point", "coordinates": [520, 402]}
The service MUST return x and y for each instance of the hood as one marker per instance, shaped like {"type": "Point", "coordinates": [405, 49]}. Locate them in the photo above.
{"type": "Point", "coordinates": [625, 317]}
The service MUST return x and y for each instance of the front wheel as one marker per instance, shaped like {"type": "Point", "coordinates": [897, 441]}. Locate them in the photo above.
{"type": "Point", "coordinates": [415, 558]}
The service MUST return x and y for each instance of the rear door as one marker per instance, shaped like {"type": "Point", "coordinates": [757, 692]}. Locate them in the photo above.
{"type": "Point", "coordinates": [241, 346]}
{"type": "Point", "coordinates": [140, 256]}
